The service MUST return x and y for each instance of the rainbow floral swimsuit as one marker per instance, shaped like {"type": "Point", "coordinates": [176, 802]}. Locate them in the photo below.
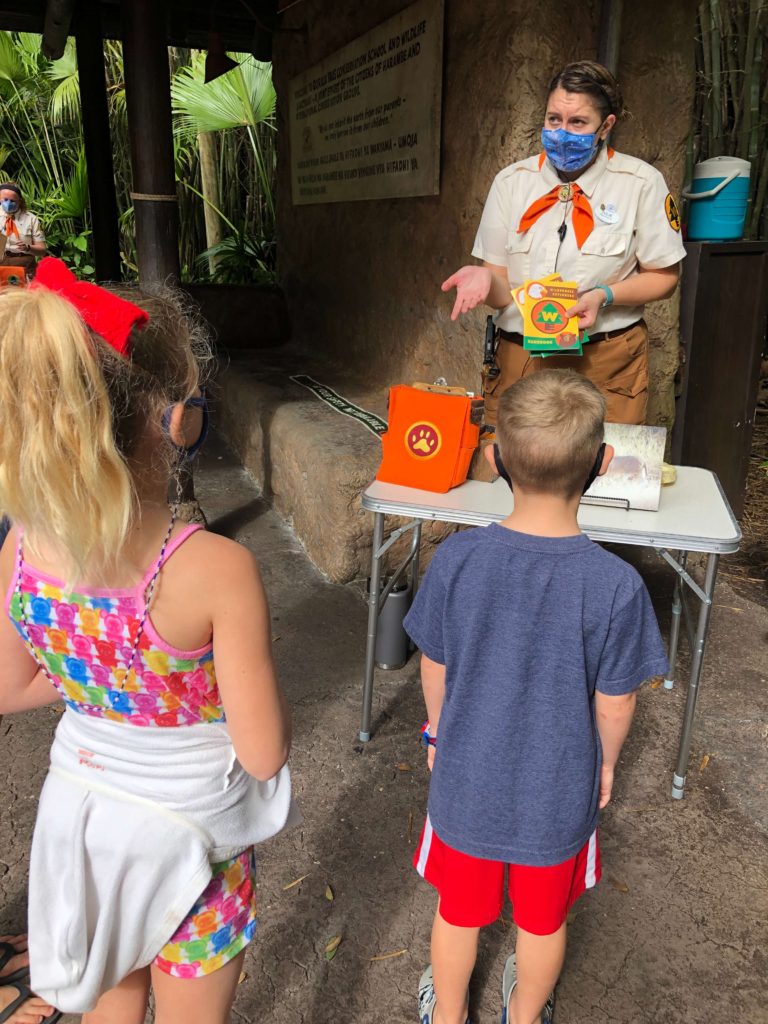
{"type": "Point", "coordinates": [104, 656]}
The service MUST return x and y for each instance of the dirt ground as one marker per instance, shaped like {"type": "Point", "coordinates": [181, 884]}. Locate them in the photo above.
{"type": "Point", "coordinates": [675, 932]}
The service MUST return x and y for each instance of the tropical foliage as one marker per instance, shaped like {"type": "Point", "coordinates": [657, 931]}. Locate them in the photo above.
{"type": "Point", "coordinates": [223, 145]}
{"type": "Point", "coordinates": [41, 144]}
{"type": "Point", "coordinates": [225, 132]}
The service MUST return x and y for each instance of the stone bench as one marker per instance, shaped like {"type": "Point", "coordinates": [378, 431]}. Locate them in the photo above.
{"type": "Point", "coordinates": [311, 462]}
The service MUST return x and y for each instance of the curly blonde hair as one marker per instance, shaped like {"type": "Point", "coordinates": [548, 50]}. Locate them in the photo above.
{"type": "Point", "coordinates": [73, 413]}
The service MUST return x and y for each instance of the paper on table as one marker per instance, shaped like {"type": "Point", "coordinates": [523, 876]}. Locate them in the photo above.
{"type": "Point", "coordinates": [633, 479]}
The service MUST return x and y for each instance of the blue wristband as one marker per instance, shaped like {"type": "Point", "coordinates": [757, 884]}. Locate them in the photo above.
{"type": "Point", "coordinates": [608, 300]}
{"type": "Point", "coordinates": [426, 736]}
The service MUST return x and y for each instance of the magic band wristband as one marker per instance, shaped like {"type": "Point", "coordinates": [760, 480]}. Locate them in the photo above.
{"type": "Point", "coordinates": [608, 300]}
{"type": "Point", "coordinates": [426, 736]}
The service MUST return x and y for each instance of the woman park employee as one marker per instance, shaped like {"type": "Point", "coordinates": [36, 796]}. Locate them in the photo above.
{"type": "Point", "coordinates": [597, 217]}
{"type": "Point", "coordinates": [24, 238]}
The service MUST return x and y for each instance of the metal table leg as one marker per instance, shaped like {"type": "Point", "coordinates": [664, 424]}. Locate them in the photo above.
{"type": "Point", "coordinates": [373, 623]}
{"type": "Point", "coordinates": [415, 560]}
{"type": "Point", "coordinates": [674, 632]}
{"type": "Point", "coordinates": [697, 659]}
{"type": "Point", "coordinates": [378, 595]}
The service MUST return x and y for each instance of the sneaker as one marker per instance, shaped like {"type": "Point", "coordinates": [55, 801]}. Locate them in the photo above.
{"type": "Point", "coordinates": [427, 997]}
{"type": "Point", "coordinates": [508, 982]}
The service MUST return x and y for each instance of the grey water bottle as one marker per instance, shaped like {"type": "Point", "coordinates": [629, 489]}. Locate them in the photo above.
{"type": "Point", "coordinates": [392, 641]}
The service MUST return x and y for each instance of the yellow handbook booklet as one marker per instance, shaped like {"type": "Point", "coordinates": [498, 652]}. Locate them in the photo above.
{"type": "Point", "coordinates": [546, 328]}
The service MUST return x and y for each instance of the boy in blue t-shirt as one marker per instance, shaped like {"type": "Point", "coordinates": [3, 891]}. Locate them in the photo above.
{"type": "Point", "coordinates": [530, 698]}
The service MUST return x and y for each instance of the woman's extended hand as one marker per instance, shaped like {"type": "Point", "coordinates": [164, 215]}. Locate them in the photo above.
{"type": "Point", "coordinates": [587, 308]}
{"type": "Point", "coordinates": [472, 284]}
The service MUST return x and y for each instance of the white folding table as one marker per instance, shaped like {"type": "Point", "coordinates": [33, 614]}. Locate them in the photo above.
{"type": "Point", "coordinates": [693, 516]}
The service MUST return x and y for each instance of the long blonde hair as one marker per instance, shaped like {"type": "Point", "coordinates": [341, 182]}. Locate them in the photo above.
{"type": "Point", "coordinates": [72, 413]}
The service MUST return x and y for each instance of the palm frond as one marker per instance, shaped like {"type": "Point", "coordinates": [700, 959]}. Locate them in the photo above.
{"type": "Point", "coordinates": [74, 193]}
{"type": "Point", "coordinates": [65, 101]}
{"type": "Point", "coordinates": [242, 259]}
{"type": "Point", "coordinates": [40, 194]}
{"type": "Point", "coordinates": [64, 105]}
{"type": "Point", "coordinates": [29, 49]}
{"type": "Point", "coordinates": [66, 65]}
{"type": "Point", "coordinates": [243, 97]}
{"type": "Point", "coordinates": [11, 66]}
{"type": "Point", "coordinates": [29, 43]}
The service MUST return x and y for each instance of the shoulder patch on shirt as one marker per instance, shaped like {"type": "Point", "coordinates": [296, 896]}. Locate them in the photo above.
{"type": "Point", "coordinates": [673, 214]}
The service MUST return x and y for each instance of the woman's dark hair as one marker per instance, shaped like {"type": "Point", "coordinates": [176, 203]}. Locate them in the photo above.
{"type": "Point", "coordinates": [592, 79]}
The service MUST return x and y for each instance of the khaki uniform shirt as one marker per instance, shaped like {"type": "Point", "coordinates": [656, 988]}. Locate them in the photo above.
{"type": "Point", "coordinates": [29, 228]}
{"type": "Point", "coordinates": [636, 225]}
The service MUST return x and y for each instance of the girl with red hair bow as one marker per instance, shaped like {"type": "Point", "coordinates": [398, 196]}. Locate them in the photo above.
{"type": "Point", "coordinates": [168, 763]}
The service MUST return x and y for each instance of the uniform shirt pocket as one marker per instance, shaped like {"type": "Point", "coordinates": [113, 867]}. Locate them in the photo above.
{"type": "Point", "coordinates": [610, 244]}
{"type": "Point", "coordinates": [603, 257]}
{"type": "Point", "coordinates": [518, 256]}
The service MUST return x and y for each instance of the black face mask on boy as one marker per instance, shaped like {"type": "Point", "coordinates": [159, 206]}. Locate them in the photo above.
{"type": "Point", "coordinates": [593, 473]}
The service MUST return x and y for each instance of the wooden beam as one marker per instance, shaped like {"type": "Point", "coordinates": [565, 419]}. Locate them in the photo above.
{"type": "Point", "coordinates": [97, 141]}
{"type": "Point", "coordinates": [148, 98]}
{"type": "Point", "coordinates": [188, 21]}
{"type": "Point", "coordinates": [58, 17]}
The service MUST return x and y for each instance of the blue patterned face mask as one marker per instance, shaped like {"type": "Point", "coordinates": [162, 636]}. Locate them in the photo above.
{"type": "Point", "coordinates": [10, 205]}
{"type": "Point", "coordinates": [568, 151]}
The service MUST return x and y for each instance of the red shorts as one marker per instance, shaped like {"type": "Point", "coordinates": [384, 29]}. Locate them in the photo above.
{"type": "Point", "coordinates": [472, 889]}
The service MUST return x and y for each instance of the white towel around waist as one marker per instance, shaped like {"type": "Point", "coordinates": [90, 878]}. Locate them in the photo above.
{"type": "Point", "coordinates": [129, 820]}
{"type": "Point", "coordinates": [191, 770]}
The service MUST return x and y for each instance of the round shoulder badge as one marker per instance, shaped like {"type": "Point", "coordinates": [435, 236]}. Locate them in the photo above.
{"type": "Point", "coordinates": [673, 215]}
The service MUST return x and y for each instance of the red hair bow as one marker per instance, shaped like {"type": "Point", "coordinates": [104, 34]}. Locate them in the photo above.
{"type": "Point", "coordinates": [106, 314]}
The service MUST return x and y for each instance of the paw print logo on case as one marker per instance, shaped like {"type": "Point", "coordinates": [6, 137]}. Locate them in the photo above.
{"type": "Point", "coordinates": [423, 440]}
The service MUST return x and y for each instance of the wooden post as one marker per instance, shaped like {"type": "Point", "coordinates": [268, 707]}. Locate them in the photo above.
{"type": "Point", "coordinates": [58, 15]}
{"type": "Point", "coordinates": [209, 179]}
{"type": "Point", "coordinates": [610, 34]}
{"type": "Point", "coordinates": [98, 145]}
{"type": "Point", "coordinates": [148, 98]}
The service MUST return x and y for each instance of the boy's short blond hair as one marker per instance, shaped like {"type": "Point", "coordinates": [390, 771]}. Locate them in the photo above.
{"type": "Point", "coordinates": [549, 427]}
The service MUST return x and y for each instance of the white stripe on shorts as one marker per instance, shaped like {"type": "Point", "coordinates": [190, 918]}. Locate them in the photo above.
{"type": "Point", "coordinates": [426, 842]}
{"type": "Point", "coordinates": [589, 878]}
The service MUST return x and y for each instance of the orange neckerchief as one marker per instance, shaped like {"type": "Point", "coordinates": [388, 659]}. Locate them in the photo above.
{"type": "Point", "coordinates": [581, 217]}
{"type": "Point", "coordinates": [10, 226]}
{"type": "Point", "coordinates": [581, 214]}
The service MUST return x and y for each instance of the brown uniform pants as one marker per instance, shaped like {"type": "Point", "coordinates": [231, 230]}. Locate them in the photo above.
{"type": "Point", "coordinates": [617, 365]}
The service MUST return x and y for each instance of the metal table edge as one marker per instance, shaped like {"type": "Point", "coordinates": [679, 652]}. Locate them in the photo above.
{"type": "Point", "coordinates": [701, 545]}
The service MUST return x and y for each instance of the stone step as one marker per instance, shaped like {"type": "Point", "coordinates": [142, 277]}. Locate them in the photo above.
{"type": "Point", "coordinates": [311, 462]}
